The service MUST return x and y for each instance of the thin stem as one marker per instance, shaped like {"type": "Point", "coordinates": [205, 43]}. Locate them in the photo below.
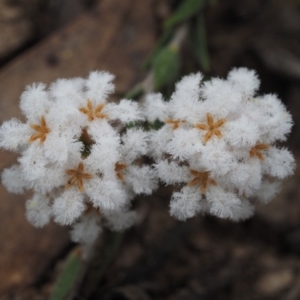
{"type": "Point", "coordinates": [147, 85]}
{"type": "Point", "coordinates": [179, 37]}
{"type": "Point", "coordinates": [69, 275]}
{"type": "Point", "coordinates": [101, 259]}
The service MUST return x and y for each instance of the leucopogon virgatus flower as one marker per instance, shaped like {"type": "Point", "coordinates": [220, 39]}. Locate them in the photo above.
{"type": "Point", "coordinates": [218, 145]}
{"type": "Point", "coordinates": [77, 156]}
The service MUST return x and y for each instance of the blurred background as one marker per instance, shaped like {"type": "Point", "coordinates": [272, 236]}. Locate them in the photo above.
{"type": "Point", "coordinates": [160, 258]}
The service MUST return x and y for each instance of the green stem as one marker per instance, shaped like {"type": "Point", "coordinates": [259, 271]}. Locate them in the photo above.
{"type": "Point", "coordinates": [80, 277]}
{"type": "Point", "coordinates": [68, 276]}
{"type": "Point", "coordinates": [100, 261]}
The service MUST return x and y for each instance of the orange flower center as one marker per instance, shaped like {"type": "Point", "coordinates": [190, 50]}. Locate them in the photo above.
{"type": "Point", "coordinates": [174, 123]}
{"type": "Point", "coordinates": [77, 177]}
{"type": "Point", "coordinates": [119, 168]}
{"type": "Point", "coordinates": [211, 127]}
{"type": "Point", "coordinates": [256, 150]}
{"type": "Point", "coordinates": [201, 178]}
{"type": "Point", "coordinates": [42, 131]}
{"type": "Point", "coordinates": [93, 113]}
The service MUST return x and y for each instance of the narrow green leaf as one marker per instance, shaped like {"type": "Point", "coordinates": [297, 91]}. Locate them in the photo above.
{"type": "Point", "coordinates": [200, 43]}
{"type": "Point", "coordinates": [161, 43]}
{"type": "Point", "coordinates": [68, 276]}
{"type": "Point", "coordinates": [186, 10]}
{"type": "Point", "coordinates": [166, 67]}
{"type": "Point", "coordinates": [134, 93]}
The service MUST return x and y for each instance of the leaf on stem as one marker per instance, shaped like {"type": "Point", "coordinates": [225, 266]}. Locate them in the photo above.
{"type": "Point", "coordinates": [166, 67]}
{"type": "Point", "coordinates": [186, 10]}
{"type": "Point", "coordinates": [161, 43]}
{"type": "Point", "coordinates": [199, 39]}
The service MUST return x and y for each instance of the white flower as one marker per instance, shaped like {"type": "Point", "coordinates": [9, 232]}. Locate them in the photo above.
{"type": "Point", "coordinates": [217, 143]}
{"type": "Point", "coordinates": [13, 179]}
{"type": "Point", "coordinates": [268, 190]}
{"type": "Point", "coordinates": [156, 107]}
{"type": "Point", "coordinates": [77, 155]}
{"type": "Point", "coordinates": [186, 203]}
{"type": "Point", "coordinates": [87, 229]}
{"type": "Point", "coordinates": [14, 135]}
{"type": "Point", "coordinates": [121, 220]}
{"type": "Point", "coordinates": [245, 80]}
{"type": "Point", "coordinates": [68, 207]}
{"type": "Point", "coordinates": [171, 172]}
{"type": "Point", "coordinates": [38, 210]}
{"type": "Point", "coordinates": [227, 205]}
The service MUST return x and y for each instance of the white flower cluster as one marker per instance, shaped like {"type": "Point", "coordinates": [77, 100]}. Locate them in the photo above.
{"type": "Point", "coordinates": [218, 145]}
{"type": "Point", "coordinates": [77, 156]}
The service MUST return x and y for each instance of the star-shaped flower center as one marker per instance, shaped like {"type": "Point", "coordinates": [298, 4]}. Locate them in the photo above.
{"type": "Point", "coordinates": [93, 113]}
{"type": "Point", "coordinates": [77, 177]}
{"type": "Point", "coordinates": [174, 123]}
{"type": "Point", "coordinates": [201, 178]}
{"type": "Point", "coordinates": [211, 127]}
{"type": "Point", "coordinates": [42, 131]}
{"type": "Point", "coordinates": [119, 168]}
{"type": "Point", "coordinates": [256, 150]}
